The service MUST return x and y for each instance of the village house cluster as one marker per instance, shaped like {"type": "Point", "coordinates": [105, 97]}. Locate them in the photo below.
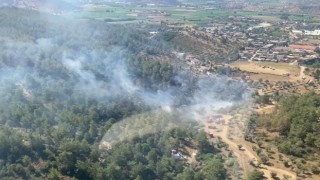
{"type": "Point", "coordinates": [277, 42]}
{"type": "Point", "coordinates": [293, 45]}
{"type": "Point", "coordinates": [285, 41]}
{"type": "Point", "coordinates": [273, 53]}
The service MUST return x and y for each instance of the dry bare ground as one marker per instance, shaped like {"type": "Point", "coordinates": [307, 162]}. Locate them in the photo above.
{"type": "Point", "coordinates": [245, 154]}
{"type": "Point", "coordinates": [278, 69]}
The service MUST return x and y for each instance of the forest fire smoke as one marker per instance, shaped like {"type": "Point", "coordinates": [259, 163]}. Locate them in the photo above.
{"type": "Point", "coordinates": [211, 95]}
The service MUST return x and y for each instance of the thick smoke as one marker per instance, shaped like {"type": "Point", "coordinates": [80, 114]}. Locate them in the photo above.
{"type": "Point", "coordinates": [117, 81]}
{"type": "Point", "coordinates": [211, 95]}
{"type": "Point", "coordinates": [56, 67]}
{"type": "Point", "coordinates": [208, 95]}
{"type": "Point", "coordinates": [205, 95]}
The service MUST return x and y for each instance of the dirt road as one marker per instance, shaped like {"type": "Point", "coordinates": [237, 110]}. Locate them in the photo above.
{"type": "Point", "coordinates": [303, 75]}
{"type": "Point", "coordinates": [245, 154]}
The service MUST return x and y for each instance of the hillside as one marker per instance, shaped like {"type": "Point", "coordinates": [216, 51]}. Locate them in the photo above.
{"type": "Point", "coordinates": [206, 47]}
{"type": "Point", "coordinates": [291, 127]}
{"type": "Point", "coordinates": [65, 88]}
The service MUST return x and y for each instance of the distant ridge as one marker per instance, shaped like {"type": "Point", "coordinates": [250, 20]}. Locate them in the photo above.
{"type": "Point", "coordinates": [42, 5]}
{"type": "Point", "coordinates": [156, 2]}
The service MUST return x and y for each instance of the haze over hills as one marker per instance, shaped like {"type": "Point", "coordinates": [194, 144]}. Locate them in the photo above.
{"type": "Point", "coordinates": [159, 89]}
{"type": "Point", "coordinates": [73, 2]}
{"type": "Point", "coordinates": [43, 5]}
{"type": "Point", "coordinates": [282, 6]}
{"type": "Point", "coordinates": [163, 2]}
{"type": "Point", "coordinates": [87, 60]}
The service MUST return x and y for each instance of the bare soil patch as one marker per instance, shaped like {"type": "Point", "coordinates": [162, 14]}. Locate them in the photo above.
{"type": "Point", "coordinates": [272, 68]}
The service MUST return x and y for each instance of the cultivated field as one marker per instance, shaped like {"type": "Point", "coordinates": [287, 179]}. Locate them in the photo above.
{"type": "Point", "coordinates": [192, 16]}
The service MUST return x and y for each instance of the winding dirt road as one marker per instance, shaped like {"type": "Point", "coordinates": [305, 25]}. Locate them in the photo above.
{"type": "Point", "coordinates": [245, 155]}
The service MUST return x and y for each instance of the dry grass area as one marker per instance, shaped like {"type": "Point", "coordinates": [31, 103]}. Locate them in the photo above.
{"type": "Point", "coordinates": [269, 77]}
{"type": "Point", "coordinates": [265, 109]}
{"type": "Point", "coordinates": [278, 69]}
{"type": "Point", "coordinates": [270, 71]}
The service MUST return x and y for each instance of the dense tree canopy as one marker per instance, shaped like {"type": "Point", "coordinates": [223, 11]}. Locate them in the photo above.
{"type": "Point", "coordinates": [297, 119]}
{"type": "Point", "coordinates": [55, 109]}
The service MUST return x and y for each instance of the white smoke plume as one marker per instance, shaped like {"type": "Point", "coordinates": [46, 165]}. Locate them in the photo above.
{"type": "Point", "coordinates": [103, 74]}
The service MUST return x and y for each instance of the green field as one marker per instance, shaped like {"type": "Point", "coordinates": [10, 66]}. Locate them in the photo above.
{"type": "Point", "coordinates": [192, 16]}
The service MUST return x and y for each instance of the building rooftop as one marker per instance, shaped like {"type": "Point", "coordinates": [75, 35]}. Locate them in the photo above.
{"type": "Point", "coordinates": [313, 33]}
